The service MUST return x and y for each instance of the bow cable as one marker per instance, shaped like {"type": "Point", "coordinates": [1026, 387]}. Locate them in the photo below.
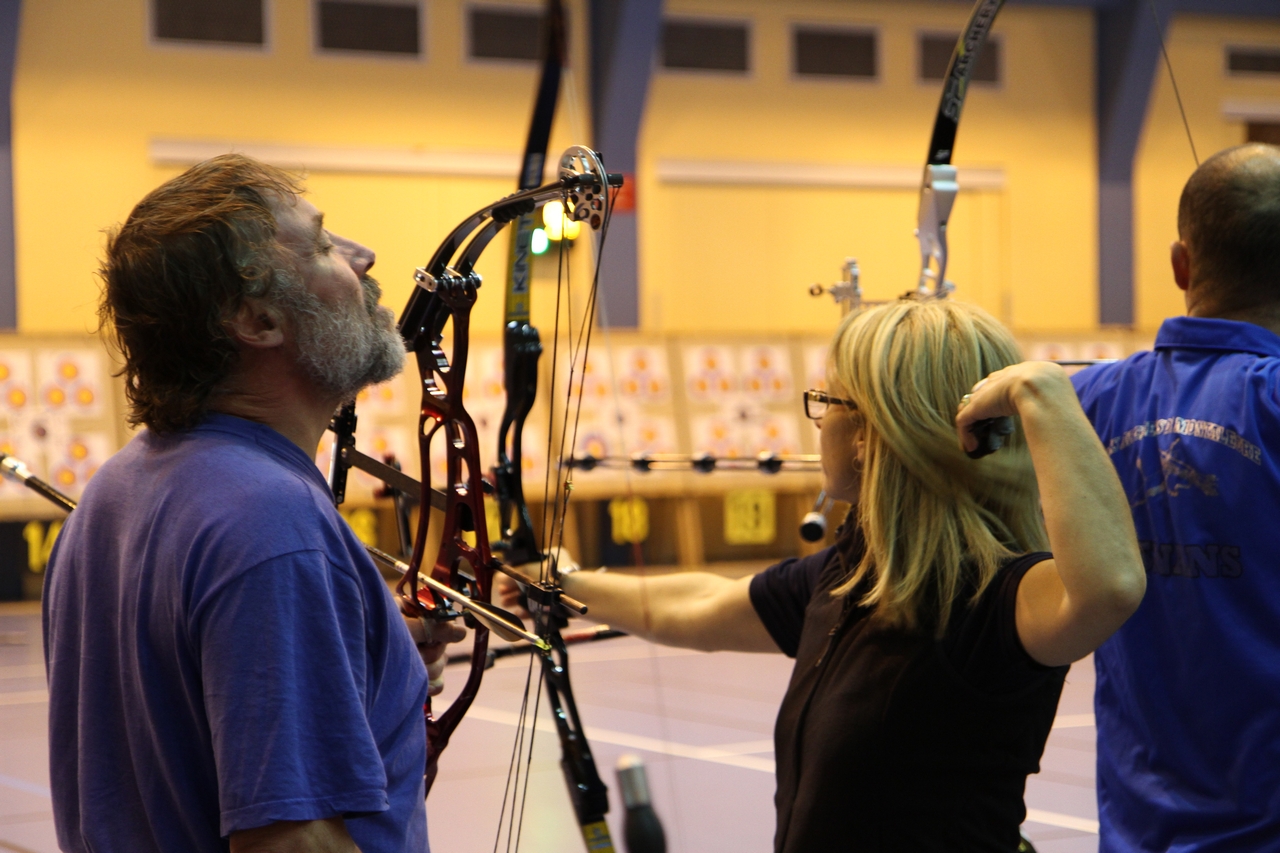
{"type": "Point", "coordinates": [1155, 18]}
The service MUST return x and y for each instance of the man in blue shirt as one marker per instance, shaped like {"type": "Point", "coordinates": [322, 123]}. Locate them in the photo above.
{"type": "Point", "coordinates": [1188, 690]}
{"type": "Point", "coordinates": [227, 668]}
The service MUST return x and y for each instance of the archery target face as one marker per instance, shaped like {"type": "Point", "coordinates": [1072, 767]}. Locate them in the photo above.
{"type": "Point", "coordinates": [385, 398]}
{"type": "Point", "coordinates": [718, 434]}
{"type": "Point", "coordinates": [766, 372]}
{"type": "Point", "coordinates": [1053, 351]}
{"type": "Point", "coordinates": [74, 458]}
{"type": "Point", "coordinates": [592, 381]}
{"type": "Point", "coordinates": [380, 442]}
{"type": "Point", "coordinates": [15, 443]}
{"type": "Point", "coordinates": [711, 372]}
{"type": "Point", "coordinates": [642, 373]}
{"type": "Point", "coordinates": [815, 376]}
{"type": "Point", "coordinates": [623, 431]}
{"type": "Point", "coordinates": [744, 430]}
{"type": "Point", "coordinates": [815, 366]}
{"type": "Point", "coordinates": [769, 432]}
{"type": "Point", "coordinates": [485, 399]}
{"type": "Point", "coordinates": [70, 383]}
{"type": "Point", "coordinates": [1101, 349]}
{"type": "Point", "coordinates": [15, 384]}
{"type": "Point", "coordinates": [484, 387]}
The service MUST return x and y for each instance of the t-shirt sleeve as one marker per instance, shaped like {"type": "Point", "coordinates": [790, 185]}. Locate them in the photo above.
{"type": "Point", "coordinates": [781, 593]}
{"type": "Point", "coordinates": [984, 646]}
{"type": "Point", "coordinates": [282, 649]}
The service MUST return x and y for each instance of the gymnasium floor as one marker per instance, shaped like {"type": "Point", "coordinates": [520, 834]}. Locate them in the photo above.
{"type": "Point", "coordinates": [702, 723]}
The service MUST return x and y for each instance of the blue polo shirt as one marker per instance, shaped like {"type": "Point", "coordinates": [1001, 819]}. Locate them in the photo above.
{"type": "Point", "coordinates": [222, 654]}
{"type": "Point", "coordinates": [1188, 690]}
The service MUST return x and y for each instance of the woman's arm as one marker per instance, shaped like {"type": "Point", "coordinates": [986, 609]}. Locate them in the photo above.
{"type": "Point", "coordinates": [692, 610]}
{"type": "Point", "coordinates": [1069, 605]}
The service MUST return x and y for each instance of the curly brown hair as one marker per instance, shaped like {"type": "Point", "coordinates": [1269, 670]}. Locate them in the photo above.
{"type": "Point", "coordinates": [179, 267]}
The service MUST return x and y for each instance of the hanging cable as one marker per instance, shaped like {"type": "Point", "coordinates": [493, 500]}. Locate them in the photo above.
{"type": "Point", "coordinates": [1155, 17]}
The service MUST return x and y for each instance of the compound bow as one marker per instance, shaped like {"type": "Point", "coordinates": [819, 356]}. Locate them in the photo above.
{"type": "Point", "coordinates": [445, 293]}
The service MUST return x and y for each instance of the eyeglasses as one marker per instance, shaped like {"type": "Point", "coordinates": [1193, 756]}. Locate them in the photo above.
{"type": "Point", "coordinates": [817, 402]}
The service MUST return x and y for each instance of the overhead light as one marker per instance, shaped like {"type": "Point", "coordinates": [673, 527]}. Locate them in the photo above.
{"type": "Point", "coordinates": [538, 241]}
{"type": "Point", "coordinates": [559, 226]}
{"type": "Point", "coordinates": [553, 219]}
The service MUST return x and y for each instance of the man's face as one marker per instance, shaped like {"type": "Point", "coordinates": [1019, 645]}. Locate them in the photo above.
{"type": "Point", "coordinates": [345, 340]}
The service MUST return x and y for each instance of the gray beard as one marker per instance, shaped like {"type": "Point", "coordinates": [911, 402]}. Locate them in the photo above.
{"type": "Point", "coordinates": [345, 350]}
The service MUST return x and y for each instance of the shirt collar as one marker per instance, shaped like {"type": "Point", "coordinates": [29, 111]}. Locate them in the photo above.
{"type": "Point", "coordinates": [265, 437]}
{"type": "Point", "coordinates": [1205, 333]}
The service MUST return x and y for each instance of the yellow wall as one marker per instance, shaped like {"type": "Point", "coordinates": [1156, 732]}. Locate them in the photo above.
{"type": "Point", "coordinates": [709, 248]}
{"type": "Point", "coordinates": [91, 93]}
{"type": "Point", "coordinates": [90, 96]}
{"type": "Point", "coordinates": [1196, 50]}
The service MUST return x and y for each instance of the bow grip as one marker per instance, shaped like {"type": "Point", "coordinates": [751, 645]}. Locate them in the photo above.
{"type": "Point", "coordinates": [991, 433]}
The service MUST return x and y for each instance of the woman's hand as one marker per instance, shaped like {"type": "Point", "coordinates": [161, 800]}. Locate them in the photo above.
{"type": "Point", "coordinates": [431, 636]}
{"type": "Point", "coordinates": [1069, 605]}
{"type": "Point", "coordinates": [1001, 393]}
{"type": "Point", "coordinates": [507, 593]}
{"type": "Point", "coordinates": [507, 590]}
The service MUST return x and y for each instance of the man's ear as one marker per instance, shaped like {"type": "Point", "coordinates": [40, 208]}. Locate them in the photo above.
{"type": "Point", "coordinates": [256, 324]}
{"type": "Point", "coordinates": [1180, 258]}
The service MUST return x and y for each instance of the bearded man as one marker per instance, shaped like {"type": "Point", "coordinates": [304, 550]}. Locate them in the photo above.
{"type": "Point", "coordinates": [227, 669]}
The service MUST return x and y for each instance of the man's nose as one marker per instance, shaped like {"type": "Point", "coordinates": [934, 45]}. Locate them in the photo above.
{"type": "Point", "coordinates": [360, 257]}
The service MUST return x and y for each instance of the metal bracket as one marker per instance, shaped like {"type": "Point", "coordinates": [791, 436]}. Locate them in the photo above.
{"type": "Point", "coordinates": [848, 291]}
{"type": "Point", "coordinates": [937, 196]}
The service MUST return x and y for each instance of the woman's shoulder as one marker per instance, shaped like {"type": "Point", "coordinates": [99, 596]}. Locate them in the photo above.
{"type": "Point", "coordinates": [982, 639]}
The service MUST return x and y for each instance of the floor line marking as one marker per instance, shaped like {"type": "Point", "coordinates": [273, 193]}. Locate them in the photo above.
{"type": "Point", "coordinates": [746, 747]}
{"type": "Point", "coordinates": [726, 755]}
{"type": "Point", "coordinates": [715, 755]}
{"type": "Point", "coordinates": [24, 697]}
{"type": "Point", "coordinates": [24, 785]}
{"type": "Point", "coordinates": [1064, 821]}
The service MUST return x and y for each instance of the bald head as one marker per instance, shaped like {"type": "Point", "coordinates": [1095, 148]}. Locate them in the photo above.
{"type": "Point", "coordinates": [1229, 219]}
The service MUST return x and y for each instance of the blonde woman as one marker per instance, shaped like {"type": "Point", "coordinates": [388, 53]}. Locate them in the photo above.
{"type": "Point", "coordinates": [932, 640]}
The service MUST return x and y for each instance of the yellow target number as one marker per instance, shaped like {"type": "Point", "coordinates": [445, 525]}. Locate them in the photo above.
{"type": "Point", "coordinates": [750, 517]}
{"type": "Point", "coordinates": [629, 518]}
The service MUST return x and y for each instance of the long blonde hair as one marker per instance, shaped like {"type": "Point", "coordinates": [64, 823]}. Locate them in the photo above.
{"type": "Point", "coordinates": [929, 514]}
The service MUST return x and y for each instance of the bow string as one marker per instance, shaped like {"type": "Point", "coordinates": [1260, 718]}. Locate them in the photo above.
{"type": "Point", "coordinates": [522, 348]}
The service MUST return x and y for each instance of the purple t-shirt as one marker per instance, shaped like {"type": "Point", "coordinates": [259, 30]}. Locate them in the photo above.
{"type": "Point", "coordinates": [223, 654]}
